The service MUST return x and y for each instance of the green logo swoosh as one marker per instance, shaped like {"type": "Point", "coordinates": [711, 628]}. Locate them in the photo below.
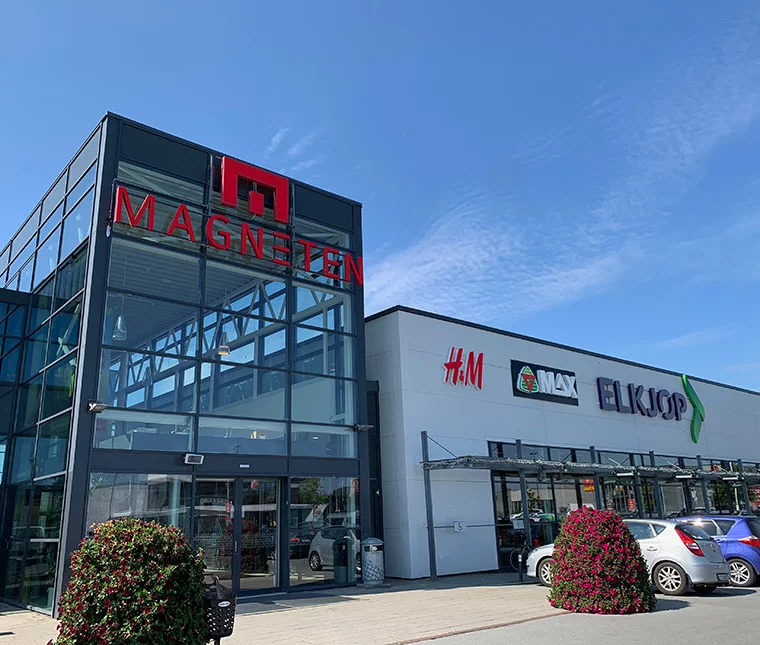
{"type": "Point", "coordinates": [699, 409]}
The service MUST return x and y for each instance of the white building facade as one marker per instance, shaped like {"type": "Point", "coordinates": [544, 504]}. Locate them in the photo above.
{"type": "Point", "coordinates": [669, 444]}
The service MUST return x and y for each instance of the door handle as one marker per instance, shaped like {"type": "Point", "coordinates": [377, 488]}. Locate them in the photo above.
{"type": "Point", "coordinates": [236, 546]}
{"type": "Point", "coordinates": [651, 548]}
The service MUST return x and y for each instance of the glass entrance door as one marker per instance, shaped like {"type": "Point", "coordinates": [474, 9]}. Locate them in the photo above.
{"type": "Point", "coordinates": [236, 525]}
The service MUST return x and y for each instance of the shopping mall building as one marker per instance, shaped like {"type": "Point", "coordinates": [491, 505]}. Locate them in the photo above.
{"type": "Point", "coordinates": [182, 339]}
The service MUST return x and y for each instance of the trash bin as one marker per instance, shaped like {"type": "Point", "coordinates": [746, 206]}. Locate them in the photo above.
{"type": "Point", "coordinates": [219, 603]}
{"type": "Point", "coordinates": [373, 562]}
{"type": "Point", "coordinates": [340, 560]}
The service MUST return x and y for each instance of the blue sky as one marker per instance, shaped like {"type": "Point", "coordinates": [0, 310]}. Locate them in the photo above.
{"type": "Point", "coordinates": [585, 173]}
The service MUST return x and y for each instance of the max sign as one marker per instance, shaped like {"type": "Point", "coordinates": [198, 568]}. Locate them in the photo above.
{"type": "Point", "coordinates": [636, 399]}
{"type": "Point", "coordinates": [533, 381]}
{"type": "Point", "coordinates": [219, 232]}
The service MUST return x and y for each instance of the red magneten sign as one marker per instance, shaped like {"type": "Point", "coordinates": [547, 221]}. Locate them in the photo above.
{"type": "Point", "coordinates": [461, 370]}
{"type": "Point", "coordinates": [336, 265]}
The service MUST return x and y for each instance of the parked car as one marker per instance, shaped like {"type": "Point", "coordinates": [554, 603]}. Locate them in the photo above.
{"type": "Point", "coordinates": [321, 548]}
{"type": "Point", "coordinates": [677, 555]}
{"type": "Point", "coordinates": [739, 540]}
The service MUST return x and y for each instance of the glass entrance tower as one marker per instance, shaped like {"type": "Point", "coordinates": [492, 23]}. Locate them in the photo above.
{"type": "Point", "coordinates": [182, 340]}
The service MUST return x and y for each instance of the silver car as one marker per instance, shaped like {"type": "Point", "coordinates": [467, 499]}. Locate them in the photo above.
{"type": "Point", "coordinates": [678, 556]}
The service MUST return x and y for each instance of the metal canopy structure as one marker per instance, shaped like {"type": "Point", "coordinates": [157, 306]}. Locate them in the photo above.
{"type": "Point", "coordinates": [523, 467]}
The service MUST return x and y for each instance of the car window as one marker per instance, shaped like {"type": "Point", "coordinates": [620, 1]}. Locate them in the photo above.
{"type": "Point", "coordinates": [725, 525]}
{"type": "Point", "coordinates": [694, 532]}
{"type": "Point", "coordinates": [754, 526]}
{"type": "Point", "coordinates": [641, 530]}
{"type": "Point", "coordinates": [659, 528]}
{"type": "Point", "coordinates": [708, 526]}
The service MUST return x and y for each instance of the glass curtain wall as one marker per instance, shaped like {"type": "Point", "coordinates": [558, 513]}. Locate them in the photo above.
{"type": "Point", "coordinates": [46, 263]}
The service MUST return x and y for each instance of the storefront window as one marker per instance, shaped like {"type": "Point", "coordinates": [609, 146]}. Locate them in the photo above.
{"type": "Point", "coordinates": [241, 437]}
{"type": "Point", "coordinates": [323, 441]}
{"type": "Point", "coordinates": [22, 462]}
{"type": "Point", "coordinates": [47, 504]}
{"type": "Point", "coordinates": [131, 430]}
{"type": "Point", "coordinates": [52, 446]}
{"type": "Point", "coordinates": [324, 530]}
{"type": "Point", "coordinates": [153, 498]}
{"type": "Point", "coordinates": [323, 400]}
{"type": "Point", "coordinates": [234, 390]}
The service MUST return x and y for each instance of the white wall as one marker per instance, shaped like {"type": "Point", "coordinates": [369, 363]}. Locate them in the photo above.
{"type": "Point", "coordinates": [406, 353]}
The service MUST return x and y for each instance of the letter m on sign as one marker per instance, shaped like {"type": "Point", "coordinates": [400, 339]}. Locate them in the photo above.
{"type": "Point", "coordinates": [234, 170]}
{"type": "Point", "coordinates": [474, 370]}
{"type": "Point", "coordinates": [123, 203]}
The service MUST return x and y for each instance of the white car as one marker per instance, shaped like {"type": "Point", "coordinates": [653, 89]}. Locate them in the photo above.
{"type": "Point", "coordinates": [321, 548]}
{"type": "Point", "coordinates": [677, 555]}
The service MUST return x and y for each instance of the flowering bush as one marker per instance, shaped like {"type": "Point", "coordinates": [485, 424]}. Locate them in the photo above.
{"type": "Point", "coordinates": [134, 583]}
{"type": "Point", "coordinates": [597, 566]}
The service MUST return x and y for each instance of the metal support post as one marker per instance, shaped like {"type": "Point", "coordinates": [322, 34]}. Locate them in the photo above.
{"type": "Point", "coordinates": [597, 481]}
{"type": "Point", "coordinates": [745, 489]}
{"type": "Point", "coordinates": [525, 509]}
{"type": "Point", "coordinates": [703, 482]}
{"type": "Point", "coordinates": [658, 498]}
{"type": "Point", "coordinates": [429, 507]}
{"type": "Point", "coordinates": [637, 493]}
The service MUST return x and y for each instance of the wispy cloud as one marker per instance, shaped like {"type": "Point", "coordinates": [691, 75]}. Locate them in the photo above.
{"type": "Point", "coordinates": [300, 146]}
{"type": "Point", "coordinates": [306, 164]}
{"type": "Point", "coordinates": [694, 338]}
{"type": "Point", "coordinates": [276, 140]}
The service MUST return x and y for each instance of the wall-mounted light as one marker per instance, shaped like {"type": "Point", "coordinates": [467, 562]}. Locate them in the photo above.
{"type": "Point", "coordinates": [95, 407]}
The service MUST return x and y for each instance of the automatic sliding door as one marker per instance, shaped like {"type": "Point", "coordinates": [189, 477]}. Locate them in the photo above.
{"type": "Point", "coordinates": [260, 534]}
{"type": "Point", "coordinates": [214, 526]}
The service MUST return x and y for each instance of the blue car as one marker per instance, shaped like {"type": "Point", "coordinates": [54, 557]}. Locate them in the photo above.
{"type": "Point", "coordinates": [739, 539]}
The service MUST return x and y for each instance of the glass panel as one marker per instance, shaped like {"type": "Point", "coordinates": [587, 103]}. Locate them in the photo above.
{"type": "Point", "coordinates": [248, 341]}
{"type": "Point", "coordinates": [323, 352]}
{"type": "Point", "coordinates": [146, 381]}
{"type": "Point", "coordinates": [220, 232]}
{"type": "Point", "coordinates": [214, 510]}
{"type": "Point", "coordinates": [583, 456]}
{"type": "Point", "coordinates": [39, 575]}
{"type": "Point", "coordinates": [47, 504]}
{"type": "Point", "coordinates": [615, 458]}
{"type": "Point", "coordinates": [47, 257]}
{"type": "Point", "coordinates": [59, 387]}
{"type": "Point", "coordinates": [154, 498]}
{"type": "Point", "coordinates": [6, 420]}
{"type": "Point", "coordinates": [35, 351]}
{"type": "Point", "coordinates": [131, 430]}
{"type": "Point", "coordinates": [325, 235]}
{"type": "Point", "coordinates": [167, 216]}
{"type": "Point", "coordinates": [9, 366]}
{"type": "Point", "coordinates": [318, 307]}
{"type": "Point", "coordinates": [25, 277]}
{"type": "Point", "coordinates": [157, 182]}
{"type": "Point", "coordinates": [324, 530]}
{"type": "Point", "coordinates": [641, 530]}
{"type": "Point", "coordinates": [64, 331]}
{"type": "Point", "coordinates": [27, 231]}
{"type": "Point", "coordinates": [5, 257]}
{"type": "Point", "coordinates": [52, 447]}
{"type": "Point", "coordinates": [152, 325]}
{"type": "Point", "coordinates": [260, 525]}
{"type": "Point", "coordinates": [242, 391]}
{"type": "Point", "coordinates": [81, 188]}
{"type": "Point", "coordinates": [54, 197]}
{"type": "Point", "coordinates": [21, 258]}
{"type": "Point", "coordinates": [29, 399]}
{"type": "Point", "coordinates": [18, 502]}
{"type": "Point", "coordinates": [14, 571]}
{"type": "Point", "coordinates": [535, 452]}
{"type": "Point", "coordinates": [323, 400]}
{"type": "Point", "coordinates": [76, 226]}
{"type": "Point", "coordinates": [241, 437]}
{"type": "Point", "coordinates": [14, 324]}
{"type": "Point", "coordinates": [245, 291]}
{"type": "Point", "coordinates": [53, 222]}
{"type": "Point", "coordinates": [154, 271]}
{"type": "Point", "coordinates": [70, 280]}
{"type": "Point", "coordinates": [83, 160]}
{"type": "Point", "coordinates": [23, 456]}
{"type": "Point", "coordinates": [725, 525]}
{"type": "Point", "coordinates": [323, 441]}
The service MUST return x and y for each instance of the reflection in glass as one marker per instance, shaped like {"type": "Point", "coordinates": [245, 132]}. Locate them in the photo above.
{"type": "Point", "coordinates": [132, 430]}
{"type": "Point", "coordinates": [324, 530]}
{"type": "Point", "coordinates": [47, 258]}
{"type": "Point", "coordinates": [47, 504]}
{"type": "Point", "coordinates": [70, 280]}
{"type": "Point", "coordinates": [35, 351]}
{"type": "Point", "coordinates": [76, 193]}
{"type": "Point", "coordinates": [323, 441]}
{"type": "Point", "coordinates": [260, 545]}
{"type": "Point", "coordinates": [244, 291]}
{"type": "Point", "coordinates": [146, 381]}
{"type": "Point", "coordinates": [41, 304]}
{"type": "Point", "coordinates": [25, 277]}
{"type": "Point", "coordinates": [52, 446]}
{"type": "Point", "coordinates": [324, 352]}
{"type": "Point", "coordinates": [39, 575]}
{"type": "Point", "coordinates": [76, 225]}
{"type": "Point", "coordinates": [64, 332]}
{"type": "Point", "coordinates": [323, 400]}
{"type": "Point", "coordinates": [157, 182]}
{"type": "Point", "coordinates": [241, 437]}
{"type": "Point", "coordinates": [250, 341]}
{"type": "Point", "coordinates": [18, 501]}
{"type": "Point", "coordinates": [232, 390]}
{"type": "Point", "coordinates": [325, 235]}
{"type": "Point", "coordinates": [153, 498]}
{"type": "Point", "coordinates": [319, 307]}
{"type": "Point", "coordinates": [14, 570]}
{"type": "Point", "coordinates": [9, 366]}
{"type": "Point", "coordinates": [23, 456]}
{"type": "Point", "coordinates": [59, 386]}
{"type": "Point", "coordinates": [29, 399]}
{"type": "Point", "coordinates": [151, 325]}
{"type": "Point", "coordinates": [214, 530]}
{"type": "Point", "coordinates": [83, 160]}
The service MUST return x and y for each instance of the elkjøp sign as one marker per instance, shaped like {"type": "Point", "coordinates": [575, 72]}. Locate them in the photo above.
{"type": "Point", "coordinates": [252, 240]}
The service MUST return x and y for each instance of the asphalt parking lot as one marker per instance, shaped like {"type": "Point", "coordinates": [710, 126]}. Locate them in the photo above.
{"type": "Point", "coordinates": [727, 616]}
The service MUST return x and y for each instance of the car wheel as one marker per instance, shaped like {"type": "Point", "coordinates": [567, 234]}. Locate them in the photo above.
{"type": "Point", "coordinates": [670, 579]}
{"type": "Point", "coordinates": [545, 572]}
{"type": "Point", "coordinates": [742, 573]}
{"type": "Point", "coordinates": [703, 590]}
{"type": "Point", "coordinates": [315, 562]}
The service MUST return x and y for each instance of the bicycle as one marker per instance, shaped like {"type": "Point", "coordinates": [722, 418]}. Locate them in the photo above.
{"type": "Point", "coordinates": [518, 559]}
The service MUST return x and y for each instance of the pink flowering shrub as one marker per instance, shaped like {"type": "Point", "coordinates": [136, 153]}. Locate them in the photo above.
{"type": "Point", "coordinates": [134, 583]}
{"type": "Point", "coordinates": [597, 566]}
